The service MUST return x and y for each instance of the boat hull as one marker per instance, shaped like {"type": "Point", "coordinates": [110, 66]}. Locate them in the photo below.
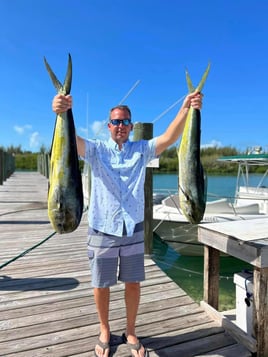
{"type": "Point", "coordinates": [173, 228]}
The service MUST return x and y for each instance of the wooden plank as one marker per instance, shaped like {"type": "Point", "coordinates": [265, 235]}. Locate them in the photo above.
{"type": "Point", "coordinates": [244, 230]}
{"type": "Point", "coordinates": [246, 340]}
{"type": "Point", "coordinates": [230, 351]}
{"type": "Point", "coordinates": [229, 246]}
{"type": "Point", "coordinates": [46, 301]}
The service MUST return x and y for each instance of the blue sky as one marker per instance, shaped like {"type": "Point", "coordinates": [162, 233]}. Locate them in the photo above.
{"type": "Point", "coordinates": [116, 43]}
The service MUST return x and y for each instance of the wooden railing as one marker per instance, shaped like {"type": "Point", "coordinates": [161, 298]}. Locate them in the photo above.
{"type": "Point", "coordinates": [43, 160]}
{"type": "Point", "coordinates": [7, 165]}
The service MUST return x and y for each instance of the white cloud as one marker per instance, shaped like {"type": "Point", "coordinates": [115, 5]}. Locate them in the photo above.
{"type": "Point", "coordinates": [21, 129]}
{"type": "Point", "coordinates": [84, 131]}
{"type": "Point", "coordinates": [99, 129]}
{"type": "Point", "coordinates": [212, 144]}
{"type": "Point", "coordinates": [34, 140]}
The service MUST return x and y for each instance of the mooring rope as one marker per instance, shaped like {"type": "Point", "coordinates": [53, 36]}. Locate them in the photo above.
{"type": "Point", "coordinates": [27, 250]}
{"type": "Point", "coordinates": [33, 247]}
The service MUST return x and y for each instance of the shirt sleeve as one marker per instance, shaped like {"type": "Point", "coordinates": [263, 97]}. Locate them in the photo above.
{"type": "Point", "coordinates": [90, 148]}
{"type": "Point", "coordinates": [151, 150]}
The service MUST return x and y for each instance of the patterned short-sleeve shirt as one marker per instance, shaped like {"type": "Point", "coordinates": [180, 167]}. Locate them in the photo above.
{"type": "Point", "coordinates": [117, 183]}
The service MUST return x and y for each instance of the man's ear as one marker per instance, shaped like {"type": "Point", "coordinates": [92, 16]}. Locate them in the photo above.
{"type": "Point", "coordinates": [131, 127]}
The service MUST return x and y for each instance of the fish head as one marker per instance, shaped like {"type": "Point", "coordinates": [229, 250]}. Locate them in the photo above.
{"type": "Point", "coordinates": [193, 207]}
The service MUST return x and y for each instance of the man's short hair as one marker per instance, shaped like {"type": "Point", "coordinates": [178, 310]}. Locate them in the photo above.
{"type": "Point", "coordinates": [121, 107]}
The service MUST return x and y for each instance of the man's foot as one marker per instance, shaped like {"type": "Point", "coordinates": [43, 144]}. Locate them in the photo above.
{"type": "Point", "coordinates": [102, 349]}
{"type": "Point", "coordinates": [136, 348]}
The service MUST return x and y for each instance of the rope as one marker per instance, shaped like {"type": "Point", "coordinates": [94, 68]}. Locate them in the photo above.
{"type": "Point", "coordinates": [121, 102]}
{"type": "Point", "coordinates": [33, 247]}
{"type": "Point", "coordinates": [168, 109]}
{"type": "Point", "coordinates": [27, 251]}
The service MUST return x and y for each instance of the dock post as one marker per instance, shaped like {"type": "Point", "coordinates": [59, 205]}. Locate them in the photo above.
{"type": "Point", "coordinates": [211, 276]}
{"type": "Point", "coordinates": [145, 131]}
{"type": "Point", "coordinates": [1, 167]}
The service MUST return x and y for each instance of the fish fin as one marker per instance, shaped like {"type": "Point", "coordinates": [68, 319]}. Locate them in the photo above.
{"type": "Point", "coordinates": [184, 193]}
{"type": "Point", "coordinates": [205, 183]}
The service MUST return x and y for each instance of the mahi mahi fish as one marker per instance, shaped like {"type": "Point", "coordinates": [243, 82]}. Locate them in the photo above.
{"type": "Point", "coordinates": [65, 194]}
{"type": "Point", "coordinates": [192, 183]}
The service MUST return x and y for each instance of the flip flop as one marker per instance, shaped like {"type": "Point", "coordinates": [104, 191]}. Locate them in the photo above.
{"type": "Point", "coordinates": [103, 345]}
{"type": "Point", "coordinates": [135, 346]}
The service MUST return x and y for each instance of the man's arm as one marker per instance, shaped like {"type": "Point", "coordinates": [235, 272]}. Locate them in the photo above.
{"type": "Point", "coordinates": [81, 146]}
{"type": "Point", "coordinates": [175, 128]}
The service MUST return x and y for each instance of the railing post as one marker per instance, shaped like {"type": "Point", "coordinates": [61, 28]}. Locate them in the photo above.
{"type": "Point", "coordinates": [1, 167]}
{"type": "Point", "coordinates": [145, 131]}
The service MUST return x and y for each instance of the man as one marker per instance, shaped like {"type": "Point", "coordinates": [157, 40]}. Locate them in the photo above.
{"type": "Point", "coordinates": [116, 211]}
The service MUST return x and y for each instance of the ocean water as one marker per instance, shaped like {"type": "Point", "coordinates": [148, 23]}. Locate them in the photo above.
{"type": "Point", "coordinates": [187, 271]}
{"type": "Point", "coordinates": [217, 186]}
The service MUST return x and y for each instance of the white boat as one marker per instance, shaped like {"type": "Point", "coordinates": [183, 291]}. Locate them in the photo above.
{"type": "Point", "coordinates": [249, 202]}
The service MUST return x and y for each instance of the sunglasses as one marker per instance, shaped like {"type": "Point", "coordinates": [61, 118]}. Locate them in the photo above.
{"type": "Point", "coordinates": [117, 122]}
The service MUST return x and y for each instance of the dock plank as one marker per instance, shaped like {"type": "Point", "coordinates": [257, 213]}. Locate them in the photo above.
{"type": "Point", "coordinates": [46, 301]}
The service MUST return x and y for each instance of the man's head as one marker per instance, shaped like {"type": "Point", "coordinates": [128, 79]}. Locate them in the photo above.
{"type": "Point", "coordinates": [120, 123]}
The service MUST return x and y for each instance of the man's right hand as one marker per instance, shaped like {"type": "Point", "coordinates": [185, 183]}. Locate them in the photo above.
{"type": "Point", "coordinates": [61, 103]}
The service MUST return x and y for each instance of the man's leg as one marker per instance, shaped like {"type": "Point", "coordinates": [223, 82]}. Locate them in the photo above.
{"type": "Point", "coordinates": [132, 300]}
{"type": "Point", "coordinates": [102, 299]}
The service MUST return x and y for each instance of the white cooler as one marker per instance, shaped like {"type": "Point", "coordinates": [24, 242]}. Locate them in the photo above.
{"type": "Point", "coordinates": [244, 301]}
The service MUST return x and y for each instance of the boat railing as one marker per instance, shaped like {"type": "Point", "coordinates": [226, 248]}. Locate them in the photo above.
{"type": "Point", "coordinates": [216, 204]}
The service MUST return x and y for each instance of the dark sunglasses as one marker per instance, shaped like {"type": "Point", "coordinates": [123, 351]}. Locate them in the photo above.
{"type": "Point", "coordinates": [117, 122]}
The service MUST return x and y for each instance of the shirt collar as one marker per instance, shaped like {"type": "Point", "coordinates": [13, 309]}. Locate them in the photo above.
{"type": "Point", "coordinates": [112, 144]}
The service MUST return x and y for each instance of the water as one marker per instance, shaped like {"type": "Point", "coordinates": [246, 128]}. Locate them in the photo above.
{"type": "Point", "coordinates": [187, 271]}
{"type": "Point", "coordinates": [217, 186]}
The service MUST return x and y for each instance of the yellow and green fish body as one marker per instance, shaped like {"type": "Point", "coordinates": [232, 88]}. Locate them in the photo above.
{"type": "Point", "coordinates": [192, 183]}
{"type": "Point", "coordinates": [65, 194]}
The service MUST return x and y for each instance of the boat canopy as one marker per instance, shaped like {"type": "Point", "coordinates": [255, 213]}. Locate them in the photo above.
{"type": "Point", "coordinates": [244, 161]}
{"type": "Point", "coordinates": [250, 159]}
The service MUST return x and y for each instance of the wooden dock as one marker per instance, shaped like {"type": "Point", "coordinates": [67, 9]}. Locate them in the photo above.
{"type": "Point", "coordinates": [46, 301]}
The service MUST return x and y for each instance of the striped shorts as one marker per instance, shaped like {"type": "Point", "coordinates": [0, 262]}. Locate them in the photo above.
{"type": "Point", "coordinates": [115, 258]}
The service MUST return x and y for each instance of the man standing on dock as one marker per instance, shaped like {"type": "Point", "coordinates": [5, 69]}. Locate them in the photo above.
{"type": "Point", "coordinates": [116, 211]}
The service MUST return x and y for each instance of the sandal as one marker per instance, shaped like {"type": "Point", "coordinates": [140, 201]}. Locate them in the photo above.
{"type": "Point", "coordinates": [135, 346]}
{"type": "Point", "coordinates": [103, 345]}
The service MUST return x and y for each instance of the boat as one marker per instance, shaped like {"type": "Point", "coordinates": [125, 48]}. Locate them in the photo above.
{"type": "Point", "coordinates": [249, 202]}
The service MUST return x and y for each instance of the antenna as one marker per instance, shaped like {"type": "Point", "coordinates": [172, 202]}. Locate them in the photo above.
{"type": "Point", "coordinates": [87, 113]}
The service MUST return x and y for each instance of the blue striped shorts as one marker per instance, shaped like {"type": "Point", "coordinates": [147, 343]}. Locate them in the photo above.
{"type": "Point", "coordinates": [115, 258]}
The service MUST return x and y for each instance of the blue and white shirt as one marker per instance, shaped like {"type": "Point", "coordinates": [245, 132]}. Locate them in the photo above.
{"type": "Point", "coordinates": [117, 184]}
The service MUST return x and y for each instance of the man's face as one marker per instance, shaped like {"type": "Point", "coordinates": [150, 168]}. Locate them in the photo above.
{"type": "Point", "coordinates": [119, 131]}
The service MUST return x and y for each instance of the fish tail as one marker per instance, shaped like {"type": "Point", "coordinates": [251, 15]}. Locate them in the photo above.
{"type": "Point", "coordinates": [200, 86]}
{"type": "Point", "coordinates": [68, 78]}
{"type": "Point", "coordinates": [61, 88]}
{"type": "Point", "coordinates": [190, 85]}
